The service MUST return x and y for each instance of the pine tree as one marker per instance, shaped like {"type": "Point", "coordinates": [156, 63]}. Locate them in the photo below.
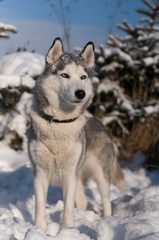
{"type": "Point", "coordinates": [128, 89]}
{"type": "Point", "coordinates": [141, 44]}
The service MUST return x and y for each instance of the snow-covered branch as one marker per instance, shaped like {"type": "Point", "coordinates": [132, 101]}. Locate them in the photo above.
{"type": "Point", "coordinates": [6, 28]}
{"type": "Point", "coordinates": [128, 26]}
{"type": "Point", "coordinates": [146, 12]}
{"type": "Point", "coordinates": [149, 4]}
{"type": "Point", "coordinates": [114, 41]}
{"type": "Point", "coordinates": [4, 35]}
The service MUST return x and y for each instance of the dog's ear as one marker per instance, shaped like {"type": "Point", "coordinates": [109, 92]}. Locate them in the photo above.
{"type": "Point", "coordinates": [55, 51]}
{"type": "Point", "coordinates": [88, 54]}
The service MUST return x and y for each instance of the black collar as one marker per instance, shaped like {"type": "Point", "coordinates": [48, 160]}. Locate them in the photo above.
{"type": "Point", "coordinates": [52, 119]}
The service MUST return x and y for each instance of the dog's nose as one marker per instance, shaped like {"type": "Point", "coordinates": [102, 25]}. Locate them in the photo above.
{"type": "Point", "coordinates": [80, 94]}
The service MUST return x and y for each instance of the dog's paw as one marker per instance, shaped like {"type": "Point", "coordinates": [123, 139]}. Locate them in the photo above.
{"type": "Point", "coordinates": [67, 225]}
{"type": "Point", "coordinates": [53, 229]}
{"type": "Point", "coordinates": [41, 224]}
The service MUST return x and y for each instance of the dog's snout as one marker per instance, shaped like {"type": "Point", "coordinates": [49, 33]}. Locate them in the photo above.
{"type": "Point", "coordinates": [80, 94]}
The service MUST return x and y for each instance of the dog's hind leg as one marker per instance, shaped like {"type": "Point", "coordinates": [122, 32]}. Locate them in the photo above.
{"type": "Point", "coordinates": [118, 176]}
{"type": "Point", "coordinates": [81, 199]}
{"type": "Point", "coordinates": [40, 187]}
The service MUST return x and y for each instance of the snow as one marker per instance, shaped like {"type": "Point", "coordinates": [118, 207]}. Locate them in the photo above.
{"type": "Point", "coordinates": [149, 61]}
{"type": "Point", "coordinates": [15, 81]}
{"type": "Point", "coordinates": [22, 63]}
{"type": "Point", "coordinates": [124, 57]}
{"type": "Point", "coordinates": [135, 213]}
{"type": "Point", "coordinates": [151, 109]}
{"type": "Point", "coordinates": [111, 67]}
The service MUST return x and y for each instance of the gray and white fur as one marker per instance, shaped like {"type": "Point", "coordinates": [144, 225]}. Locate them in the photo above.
{"type": "Point", "coordinates": [66, 147]}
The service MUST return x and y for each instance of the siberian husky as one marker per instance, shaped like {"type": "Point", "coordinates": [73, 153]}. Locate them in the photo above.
{"type": "Point", "coordinates": [65, 146]}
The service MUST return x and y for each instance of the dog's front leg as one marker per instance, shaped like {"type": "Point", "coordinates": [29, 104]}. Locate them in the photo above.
{"type": "Point", "coordinates": [69, 189]}
{"type": "Point", "coordinates": [40, 187]}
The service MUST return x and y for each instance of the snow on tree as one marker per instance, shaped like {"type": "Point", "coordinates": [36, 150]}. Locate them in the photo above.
{"type": "Point", "coordinates": [18, 73]}
{"type": "Point", "coordinates": [4, 28]}
{"type": "Point", "coordinates": [127, 91]}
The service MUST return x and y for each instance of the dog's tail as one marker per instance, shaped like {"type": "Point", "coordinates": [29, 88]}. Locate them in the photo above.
{"type": "Point", "coordinates": [118, 176]}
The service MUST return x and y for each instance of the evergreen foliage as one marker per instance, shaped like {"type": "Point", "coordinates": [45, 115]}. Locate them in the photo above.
{"type": "Point", "coordinates": [128, 72]}
{"type": "Point", "coordinates": [18, 72]}
{"type": "Point", "coordinates": [10, 96]}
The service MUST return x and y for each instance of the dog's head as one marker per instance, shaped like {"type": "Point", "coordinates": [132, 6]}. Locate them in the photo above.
{"type": "Point", "coordinates": [66, 80]}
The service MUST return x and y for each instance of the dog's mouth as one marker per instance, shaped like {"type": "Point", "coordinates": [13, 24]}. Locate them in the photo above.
{"type": "Point", "coordinates": [77, 101]}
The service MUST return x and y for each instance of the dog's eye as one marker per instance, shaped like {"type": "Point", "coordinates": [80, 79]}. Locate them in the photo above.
{"type": "Point", "coordinates": [83, 77]}
{"type": "Point", "coordinates": [54, 71]}
{"type": "Point", "coordinates": [64, 75]}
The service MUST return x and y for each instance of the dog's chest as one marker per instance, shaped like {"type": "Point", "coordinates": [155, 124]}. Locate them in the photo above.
{"type": "Point", "coordinates": [60, 143]}
{"type": "Point", "coordinates": [59, 138]}
{"type": "Point", "coordinates": [64, 151]}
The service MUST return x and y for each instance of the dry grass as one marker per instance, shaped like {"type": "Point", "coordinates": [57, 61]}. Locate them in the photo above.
{"type": "Point", "coordinates": [142, 138]}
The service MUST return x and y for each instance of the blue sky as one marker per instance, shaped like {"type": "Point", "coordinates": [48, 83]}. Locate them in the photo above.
{"type": "Point", "coordinates": [90, 20]}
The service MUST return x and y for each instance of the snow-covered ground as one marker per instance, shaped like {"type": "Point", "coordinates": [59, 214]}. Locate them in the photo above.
{"type": "Point", "coordinates": [135, 213]}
